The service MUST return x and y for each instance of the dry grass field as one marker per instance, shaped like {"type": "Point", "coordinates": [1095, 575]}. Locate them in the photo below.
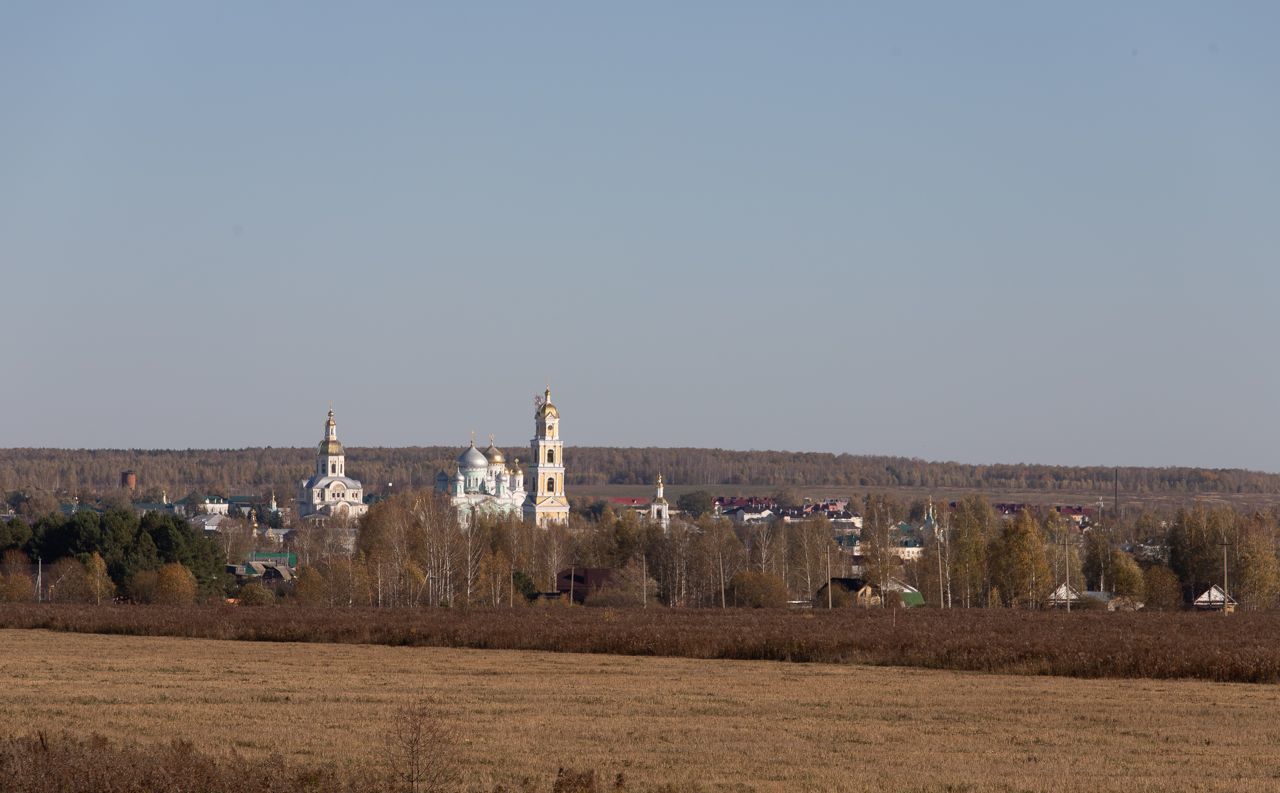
{"type": "Point", "coordinates": [716, 725]}
{"type": "Point", "coordinates": [1244, 648]}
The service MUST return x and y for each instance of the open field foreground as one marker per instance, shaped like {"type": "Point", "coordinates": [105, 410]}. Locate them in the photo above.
{"type": "Point", "coordinates": [715, 724]}
{"type": "Point", "coordinates": [1242, 648]}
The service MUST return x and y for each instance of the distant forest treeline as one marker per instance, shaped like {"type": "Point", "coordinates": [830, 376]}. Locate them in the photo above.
{"type": "Point", "coordinates": [257, 471]}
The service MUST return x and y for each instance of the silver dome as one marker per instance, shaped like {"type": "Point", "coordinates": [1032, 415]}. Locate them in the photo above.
{"type": "Point", "coordinates": [472, 459]}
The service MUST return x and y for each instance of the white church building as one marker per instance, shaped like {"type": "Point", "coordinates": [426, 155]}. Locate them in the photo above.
{"type": "Point", "coordinates": [330, 493]}
{"type": "Point", "coordinates": [482, 484]}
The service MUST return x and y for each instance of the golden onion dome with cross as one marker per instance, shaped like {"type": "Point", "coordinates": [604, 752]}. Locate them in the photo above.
{"type": "Point", "coordinates": [493, 454]}
{"type": "Point", "coordinates": [546, 410]}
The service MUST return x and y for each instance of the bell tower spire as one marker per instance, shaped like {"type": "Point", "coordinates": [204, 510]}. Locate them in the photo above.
{"type": "Point", "coordinates": [659, 509]}
{"type": "Point", "coordinates": [546, 503]}
{"type": "Point", "coordinates": [331, 458]}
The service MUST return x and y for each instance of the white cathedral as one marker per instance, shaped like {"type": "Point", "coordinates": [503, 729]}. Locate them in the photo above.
{"type": "Point", "coordinates": [483, 484]}
{"type": "Point", "coordinates": [330, 493]}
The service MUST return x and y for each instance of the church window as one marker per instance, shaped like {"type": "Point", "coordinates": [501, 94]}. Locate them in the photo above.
{"type": "Point", "coordinates": [333, 468]}
{"type": "Point", "coordinates": [551, 484]}
{"type": "Point", "coordinates": [551, 456]}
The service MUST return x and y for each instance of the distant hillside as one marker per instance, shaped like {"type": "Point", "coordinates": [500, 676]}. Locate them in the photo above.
{"type": "Point", "coordinates": [254, 471]}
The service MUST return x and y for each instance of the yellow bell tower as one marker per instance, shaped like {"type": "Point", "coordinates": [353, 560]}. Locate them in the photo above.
{"type": "Point", "coordinates": [546, 503]}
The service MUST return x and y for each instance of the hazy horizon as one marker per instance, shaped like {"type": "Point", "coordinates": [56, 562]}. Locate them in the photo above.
{"type": "Point", "coordinates": [309, 450]}
{"type": "Point", "coordinates": [977, 232]}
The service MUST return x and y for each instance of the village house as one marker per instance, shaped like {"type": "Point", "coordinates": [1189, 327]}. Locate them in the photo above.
{"type": "Point", "coordinates": [579, 583]}
{"type": "Point", "coordinates": [860, 592]}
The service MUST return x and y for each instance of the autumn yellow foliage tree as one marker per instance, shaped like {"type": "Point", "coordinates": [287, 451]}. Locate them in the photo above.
{"type": "Point", "coordinates": [98, 584]}
{"type": "Point", "coordinates": [1126, 576]}
{"type": "Point", "coordinates": [1020, 568]}
{"type": "Point", "coordinates": [16, 584]}
{"type": "Point", "coordinates": [175, 585]}
{"type": "Point", "coordinates": [1258, 573]}
{"type": "Point", "coordinates": [753, 589]}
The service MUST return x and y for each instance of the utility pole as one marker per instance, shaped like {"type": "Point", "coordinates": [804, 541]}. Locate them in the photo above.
{"type": "Point", "coordinates": [1115, 501]}
{"type": "Point", "coordinates": [720, 556]}
{"type": "Point", "coordinates": [1224, 574]}
{"type": "Point", "coordinates": [828, 574]}
{"type": "Point", "coordinates": [644, 581]}
{"type": "Point", "coordinates": [1102, 573]}
{"type": "Point", "coordinates": [1066, 562]}
{"type": "Point", "coordinates": [938, 532]}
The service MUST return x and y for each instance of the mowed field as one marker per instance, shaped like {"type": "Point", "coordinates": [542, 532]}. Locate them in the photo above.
{"type": "Point", "coordinates": [714, 724]}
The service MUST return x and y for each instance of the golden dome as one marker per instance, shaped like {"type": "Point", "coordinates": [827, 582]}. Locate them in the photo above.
{"type": "Point", "coordinates": [548, 410]}
{"type": "Point", "coordinates": [494, 455]}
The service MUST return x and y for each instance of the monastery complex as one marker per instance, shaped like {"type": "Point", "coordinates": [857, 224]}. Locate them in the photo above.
{"type": "Point", "coordinates": [481, 484]}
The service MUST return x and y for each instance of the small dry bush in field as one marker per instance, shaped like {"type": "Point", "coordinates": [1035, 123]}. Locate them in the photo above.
{"type": "Point", "coordinates": [44, 763]}
{"type": "Point", "coordinates": [569, 780]}
{"type": "Point", "coordinates": [417, 751]}
{"type": "Point", "coordinates": [610, 597]}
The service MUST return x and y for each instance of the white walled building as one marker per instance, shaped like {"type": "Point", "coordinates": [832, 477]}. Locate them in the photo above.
{"type": "Point", "coordinates": [483, 485]}
{"type": "Point", "coordinates": [330, 493]}
{"type": "Point", "coordinates": [215, 505]}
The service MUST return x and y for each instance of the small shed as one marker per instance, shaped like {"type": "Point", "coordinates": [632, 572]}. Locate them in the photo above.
{"type": "Point", "coordinates": [908, 596]}
{"type": "Point", "coordinates": [1063, 595]}
{"type": "Point", "coordinates": [859, 592]}
{"type": "Point", "coordinates": [1215, 599]}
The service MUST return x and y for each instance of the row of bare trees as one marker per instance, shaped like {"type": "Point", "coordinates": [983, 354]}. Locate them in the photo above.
{"type": "Point", "coordinates": [974, 557]}
{"type": "Point", "coordinates": [411, 550]}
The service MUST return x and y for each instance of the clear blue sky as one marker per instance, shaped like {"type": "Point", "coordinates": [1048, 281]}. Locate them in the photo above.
{"type": "Point", "coordinates": [984, 232]}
